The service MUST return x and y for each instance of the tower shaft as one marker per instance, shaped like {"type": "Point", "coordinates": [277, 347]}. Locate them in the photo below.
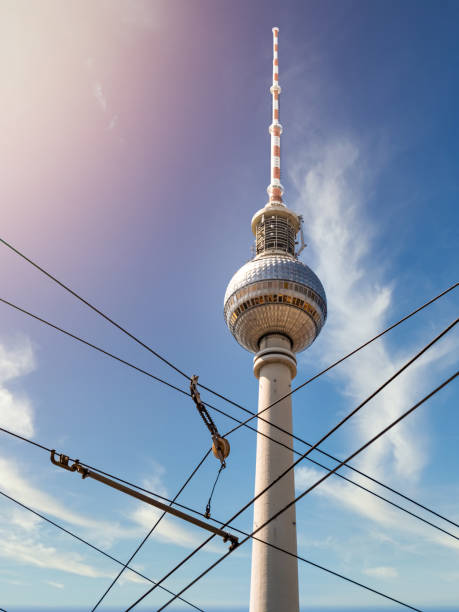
{"type": "Point", "coordinates": [274, 582]}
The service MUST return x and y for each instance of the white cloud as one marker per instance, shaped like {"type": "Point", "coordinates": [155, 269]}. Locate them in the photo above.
{"type": "Point", "coordinates": [56, 585]}
{"type": "Point", "coordinates": [18, 486]}
{"type": "Point", "coordinates": [101, 100]}
{"type": "Point", "coordinates": [99, 95]}
{"type": "Point", "coordinates": [170, 530]}
{"type": "Point", "coordinates": [25, 520]}
{"type": "Point", "coordinates": [343, 256]}
{"type": "Point", "coordinates": [31, 551]}
{"type": "Point", "coordinates": [16, 411]}
{"type": "Point", "coordinates": [359, 301]}
{"type": "Point", "coordinates": [408, 529]}
{"type": "Point", "coordinates": [113, 122]}
{"type": "Point", "coordinates": [16, 361]}
{"type": "Point", "coordinates": [381, 572]}
{"type": "Point", "coordinates": [22, 541]}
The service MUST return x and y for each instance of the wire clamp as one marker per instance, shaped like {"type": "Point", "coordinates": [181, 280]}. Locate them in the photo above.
{"type": "Point", "coordinates": [233, 539]}
{"type": "Point", "coordinates": [63, 462]}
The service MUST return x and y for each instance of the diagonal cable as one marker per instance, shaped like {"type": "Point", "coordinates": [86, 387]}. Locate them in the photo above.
{"type": "Point", "coordinates": [311, 488]}
{"type": "Point", "coordinates": [125, 565]}
{"type": "Point", "coordinates": [299, 557]}
{"type": "Point", "coordinates": [322, 439]}
{"type": "Point", "coordinates": [193, 473]}
{"type": "Point", "coordinates": [92, 307]}
{"type": "Point", "coordinates": [331, 366]}
{"type": "Point", "coordinates": [245, 424]}
{"type": "Point", "coordinates": [156, 354]}
{"type": "Point", "coordinates": [194, 511]}
{"type": "Point", "coordinates": [99, 550]}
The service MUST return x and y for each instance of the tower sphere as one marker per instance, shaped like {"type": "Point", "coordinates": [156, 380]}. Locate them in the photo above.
{"type": "Point", "coordinates": [275, 293]}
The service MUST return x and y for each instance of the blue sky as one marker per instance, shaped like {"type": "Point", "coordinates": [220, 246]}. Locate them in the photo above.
{"type": "Point", "coordinates": [136, 151]}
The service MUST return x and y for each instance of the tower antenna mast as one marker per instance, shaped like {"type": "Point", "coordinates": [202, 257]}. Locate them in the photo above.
{"type": "Point", "coordinates": [275, 189]}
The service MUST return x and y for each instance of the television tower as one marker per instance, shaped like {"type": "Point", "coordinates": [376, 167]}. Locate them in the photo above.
{"type": "Point", "coordinates": [275, 306]}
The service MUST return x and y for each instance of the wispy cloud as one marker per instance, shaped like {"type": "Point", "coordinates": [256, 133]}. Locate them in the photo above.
{"type": "Point", "coordinates": [56, 585]}
{"type": "Point", "coordinates": [113, 122]}
{"type": "Point", "coordinates": [31, 550]}
{"type": "Point", "coordinates": [381, 572]}
{"type": "Point", "coordinates": [332, 182]}
{"type": "Point", "coordinates": [25, 539]}
{"type": "Point", "coordinates": [170, 530]}
{"type": "Point", "coordinates": [373, 510]}
{"type": "Point", "coordinates": [332, 202]}
{"type": "Point", "coordinates": [99, 95]}
{"type": "Point", "coordinates": [101, 99]}
{"type": "Point", "coordinates": [16, 484]}
{"type": "Point", "coordinates": [15, 409]}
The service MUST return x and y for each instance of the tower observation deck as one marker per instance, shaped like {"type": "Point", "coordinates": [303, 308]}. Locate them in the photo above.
{"type": "Point", "coordinates": [275, 306]}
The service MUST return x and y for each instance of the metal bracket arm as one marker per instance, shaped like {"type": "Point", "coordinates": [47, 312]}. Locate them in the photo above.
{"type": "Point", "coordinates": [63, 462]}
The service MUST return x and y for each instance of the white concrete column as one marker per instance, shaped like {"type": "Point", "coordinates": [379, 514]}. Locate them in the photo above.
{"type": "Point", "coordinates": [274, 583]}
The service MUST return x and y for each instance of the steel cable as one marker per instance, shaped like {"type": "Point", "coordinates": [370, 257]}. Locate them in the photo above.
{"type": "Point", "coordinates": [156, 354]}
{"type": "Point", "coordinates": [294, 501]}
{"type": "Point", "coordinates": [99, 550]}
{"type": "Point", "coordinates": [149, 533]}
{"type": "Point", "coordinates": [219, 522]}
{"type": "Point", "coordinates": [245, 424]}
{"type": "Point", "coordinates": [92, 307]}
{"type": "Point", "coordinates": [322, 439]}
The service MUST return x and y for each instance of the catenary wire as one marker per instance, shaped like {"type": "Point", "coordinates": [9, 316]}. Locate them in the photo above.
{"type": "Point", "coordinates": [99, 550]}
{"type": "Point", "coordinates": [328, 368]}
{"type": "Point", "coordinates": [135, 338]}
{"type": "Point", "coordinates": [299, 557]}
{"type": "Point", "coordinates": [193, 473]}
{"type": "Point", "coordinates": [245, 424]}
{"type": "Point", "coordinates": [322, 439]}
{"type": "Point", "coordinates": [106, 317]}
{"type": "Point", "coordinates": [191, 510]}
{"type": "Point", "coordinates": [92, 307]}
{"type": "Point", "coordinates": [312, 487]}
{"type": "Point", "coordinates": [125, 565]}
{"type": "Point", "coordinates": [194, 511]}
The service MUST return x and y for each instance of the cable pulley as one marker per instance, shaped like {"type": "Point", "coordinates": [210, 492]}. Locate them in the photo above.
{"type": "Point", "coordinates": [220, 445]}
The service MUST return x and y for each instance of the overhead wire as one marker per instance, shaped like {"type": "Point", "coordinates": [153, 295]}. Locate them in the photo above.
{"type": "Point", "coordinates": [185, 484]}
{"type": "Point", "coordinates": [334, 364]}
{"type": "Point", "coordinates": [245, 424]}
{"type": "Point", "coordinates": [299, 557]}
{"type": "Point", "coordinates": [322, 439]}
{"type": "Point", "coordinates": [41, 446]}
{"type": "Point", "coordinates": [170, 364]}
{"type": "Point", "coordinates": [96, 548]}
{"type": "Point", "coordinates": [95, 309]}
{"type": "Point", "coordinates": [299, 497]}
{"type": "Point", "coordinates": [204, 514]}
{"type": "Point", "coordinates": [193, 473]}
{"type": "Point", "coordinates": [167, 362]}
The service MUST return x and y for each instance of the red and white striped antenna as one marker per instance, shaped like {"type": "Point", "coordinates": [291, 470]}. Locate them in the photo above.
{"type": "Point", "coordinates": [275, 189]}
